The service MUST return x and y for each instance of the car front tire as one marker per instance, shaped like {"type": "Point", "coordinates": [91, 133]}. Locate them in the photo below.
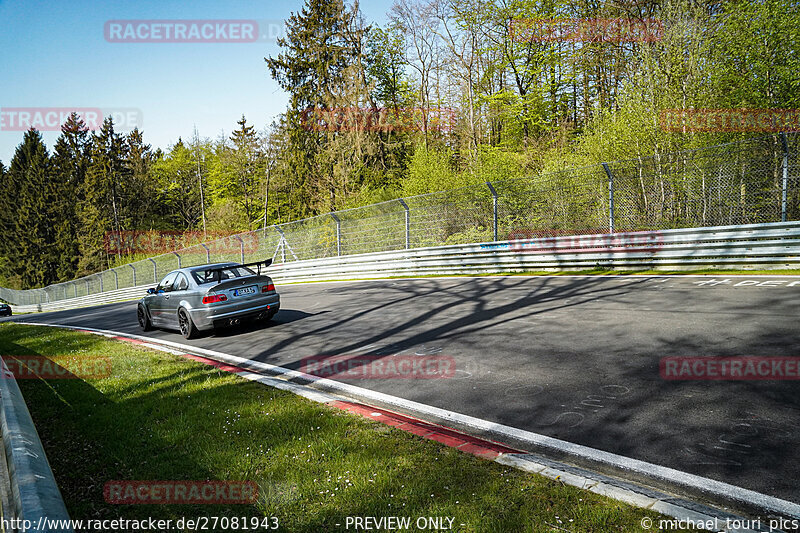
{"type": "Point", "coordinates": [188, 329]}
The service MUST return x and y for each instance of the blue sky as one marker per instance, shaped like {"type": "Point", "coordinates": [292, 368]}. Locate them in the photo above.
{"type": "Point", "coordinates": [55, 55]}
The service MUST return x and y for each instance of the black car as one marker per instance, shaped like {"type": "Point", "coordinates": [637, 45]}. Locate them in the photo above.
{"type": "Point", "coordinates": [5, 310]}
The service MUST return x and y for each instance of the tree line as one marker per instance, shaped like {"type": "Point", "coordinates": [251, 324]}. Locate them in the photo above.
{"type": "Point", "coordinates": [445, 94]}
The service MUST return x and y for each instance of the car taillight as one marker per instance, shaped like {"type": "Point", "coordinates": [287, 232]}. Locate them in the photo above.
{"type": "Point", "coordinates": [214, 299]}
{"type": "Point", "coordinates": [268, 288]}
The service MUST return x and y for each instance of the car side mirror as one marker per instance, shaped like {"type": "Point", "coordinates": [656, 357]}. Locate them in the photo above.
{"type": "Point", "coordinates": [151, 291]}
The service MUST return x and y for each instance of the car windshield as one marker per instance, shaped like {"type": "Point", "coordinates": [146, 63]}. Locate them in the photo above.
{"type": "Point", "coordinates": [207, 276]}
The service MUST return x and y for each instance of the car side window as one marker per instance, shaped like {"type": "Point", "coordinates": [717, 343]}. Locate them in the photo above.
{"type": "Point", "coordinates": [167, 282]}
{"type": "Point", "coordinates": [181, 284]}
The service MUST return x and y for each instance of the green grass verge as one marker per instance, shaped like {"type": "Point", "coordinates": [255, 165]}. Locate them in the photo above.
{"type": "Point", "coordinates": [162, 417]}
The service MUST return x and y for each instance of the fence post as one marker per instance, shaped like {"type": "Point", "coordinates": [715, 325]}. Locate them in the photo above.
{"type": "Point", "coordinates": [116, 278]}
{"type": "Point", "coordinates": [208, 253]}
{"type": "Point", "coordinates": [282, 242]}
{"type": "Point", "coordinates": [179, 258]}
{"type": "Point", "coordinates": [610, 198]}
{"type": "Point", "coordinates": [155, 272]}
{"type": "Point", "coordinates": [75, 286]}
{"type": "Point", "coordinates": [338, 234]}
{"type": "Point", "coordinates": [87, 286]}
{"type": "Point", "coordinates": [241, 248]}
{"type": "Point", "coordinates": [408, 222]}
{"type": "Point", "coordinates": [785, 143]}
{"type": "Point", "coordinates": [100, 275]}
{"type": "Point", "coordinates": [134, 273]}
{"type": "Point", "coordinates": [494, 208]}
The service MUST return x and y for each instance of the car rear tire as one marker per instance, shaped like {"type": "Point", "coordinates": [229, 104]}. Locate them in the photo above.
{"type": "Point", "coordinates": [188, 329]}
{"type": "Point", "coordinates": [144, 318]}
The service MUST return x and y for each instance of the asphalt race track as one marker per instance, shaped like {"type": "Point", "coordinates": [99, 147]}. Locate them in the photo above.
{"type": "Point", "coordinates": [575, 358]}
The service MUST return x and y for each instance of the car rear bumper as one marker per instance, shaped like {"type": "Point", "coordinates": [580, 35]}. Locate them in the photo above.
{"type": "Point", "coordinates": [208, 318]}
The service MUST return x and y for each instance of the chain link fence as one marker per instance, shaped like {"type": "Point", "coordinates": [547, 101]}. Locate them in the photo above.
{"type": "Point", "coordinates": [744, 182]}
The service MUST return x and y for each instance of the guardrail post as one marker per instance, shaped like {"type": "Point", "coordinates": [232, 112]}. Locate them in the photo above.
{"type": "Point", "coordinates": [116, 279]}
{"type": "Point", "coordinates": [494, 207]}
{"type": "Point", "coordinates": [785, 143]}
{"type": "Point", "coordinates": [408, 222]}
{"type": "Point", "coordinates": [610, 198]}
{"type": "Point", "coordinates": [179, 258]}
{"type": "Point", "coordinates": [338, 234]}
{"type": "Point", "coordinates": [134, 273]}
{"type": "Point", "coordinates": [155, 272]}
{"type": "Point", "coordinates": [208, 253]}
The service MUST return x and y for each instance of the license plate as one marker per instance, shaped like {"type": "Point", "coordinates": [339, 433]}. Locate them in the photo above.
{"type": "Point", "coordinates": [243, 291]}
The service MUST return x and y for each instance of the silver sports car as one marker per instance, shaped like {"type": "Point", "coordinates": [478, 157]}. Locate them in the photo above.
{"type": "Point", "coordinates": [204, 297]}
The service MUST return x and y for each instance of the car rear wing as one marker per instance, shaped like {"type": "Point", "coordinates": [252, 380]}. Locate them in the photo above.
{"type": "Point", "coordinates": [218, 270]}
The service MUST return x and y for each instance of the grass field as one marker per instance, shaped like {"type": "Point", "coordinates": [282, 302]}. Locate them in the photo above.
{"type": "Point", "coordinates": [164, 417]}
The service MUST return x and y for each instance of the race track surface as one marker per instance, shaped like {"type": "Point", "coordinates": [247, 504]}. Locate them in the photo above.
{"type": "Point", "coordinates": [576, 358]}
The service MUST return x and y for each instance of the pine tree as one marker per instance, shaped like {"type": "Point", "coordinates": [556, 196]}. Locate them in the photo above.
{"type": "Point", "coordinates": [4, 216]}
{"type": "Point", "coordinates": [106, 179]}
{"type": "Point", "coordinates": [141, 206]}
{"type": "Point", "coordinates": [317, 51]}
{"type": "Point", "coordinates": [248, 162]}
{"type": "Point", "coordinates": [70, 161]}
{"type": "Point", "coordinates": [31, 195]}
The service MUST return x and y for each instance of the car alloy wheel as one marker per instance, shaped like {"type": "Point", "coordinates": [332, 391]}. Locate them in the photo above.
{"type": "Point", "coordinates": [186, 325]}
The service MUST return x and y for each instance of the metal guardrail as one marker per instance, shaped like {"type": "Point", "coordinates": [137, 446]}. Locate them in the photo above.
{"type": "Point", "coordinates": [103, 298]}
{"type": "Point", "coordinates": [774, 245]}
{"type": "Point", "coordinates": [34, 493]}
{"type": "Point", "coordinates": [771, 245]}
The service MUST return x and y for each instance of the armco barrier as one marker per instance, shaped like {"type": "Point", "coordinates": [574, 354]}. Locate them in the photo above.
{"type": "Point", "coordinates": [34, 492]}
{"type": "Point", "coordinates": [770, 245]}
{"type": "Point", "coordinates": [120, 295]}
{"type": "Point", "coordinates": [773, 245]}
